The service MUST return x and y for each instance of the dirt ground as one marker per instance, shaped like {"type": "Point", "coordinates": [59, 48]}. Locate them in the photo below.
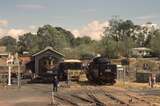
{"type": "Point", "coordinates": [40, 94]}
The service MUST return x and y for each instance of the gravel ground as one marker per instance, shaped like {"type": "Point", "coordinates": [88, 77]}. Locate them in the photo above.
{"type": "Point", "coordinates": [40, 94]}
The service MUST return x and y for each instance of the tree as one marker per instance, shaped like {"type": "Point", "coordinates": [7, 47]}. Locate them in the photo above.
{"type": "Point", "coordinates": [119, 32]}
{"type": "Point", "coordinates": [109, 46]}
{"type": "Point", "coordinates": [53, 36]}
{"type": "Point", "coordinates": [143, 35]}
{"type": "Point", "coordinates": [83, 47]}
{"type": "Point", "coordinates": [119, 29]}
{"type": "Point", "coordinates": [56, 37]}
{"type": "Point", "coordinates": [82, 40]}
{"type": "Point", "coordinates": [27, 42]}
{"type": "Point", "coordinates": [69, 37]}
{"type": "Point", "coordinates": [155, 42]}
{"type": "Point", "coordinates": [126, 46]}
{"type": "Point", "coordinates": [9, 42]}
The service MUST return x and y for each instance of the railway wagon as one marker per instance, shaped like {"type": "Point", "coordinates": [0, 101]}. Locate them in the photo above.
{"type": "Point", "coordinates": [101, 71]}
{"type": "Point", "coordinates": [70, 70]}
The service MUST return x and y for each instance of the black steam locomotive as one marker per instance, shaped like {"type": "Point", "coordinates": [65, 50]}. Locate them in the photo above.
{"type": "Point", "coordinates": [101, 71]}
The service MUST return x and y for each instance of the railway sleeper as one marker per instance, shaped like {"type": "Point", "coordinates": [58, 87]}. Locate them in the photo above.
{"type": "Point", "coordinates": [117, 99]}
{"type": "Point", "coordinates": [67, 100]}
{"type": "Point", "coordinates": [138, 98]}
{"type": "Point", "coordinates": [97, 101]}
{"type": "Point", "coordinates": [82, 98]}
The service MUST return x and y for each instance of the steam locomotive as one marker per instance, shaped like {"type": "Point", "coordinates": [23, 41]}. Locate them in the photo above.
{"type": "Point", "coordinates": [101, 71]}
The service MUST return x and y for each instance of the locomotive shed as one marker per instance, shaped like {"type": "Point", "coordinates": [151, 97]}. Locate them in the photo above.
{"type": "Point", "coordinates": [75, 95]}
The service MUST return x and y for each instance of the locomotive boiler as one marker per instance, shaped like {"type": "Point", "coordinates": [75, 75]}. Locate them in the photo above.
{"type": "Point", "coordinates": [101, 71]}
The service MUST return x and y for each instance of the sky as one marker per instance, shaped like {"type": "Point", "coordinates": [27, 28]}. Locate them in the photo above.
{"type": "Point", "coordinates": [81, 17]}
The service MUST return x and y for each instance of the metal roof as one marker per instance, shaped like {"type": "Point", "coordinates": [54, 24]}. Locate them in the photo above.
{"type": "Point", "coordinates": [73, 60]}
{"type": "Point", "coordinates": [48, 48]}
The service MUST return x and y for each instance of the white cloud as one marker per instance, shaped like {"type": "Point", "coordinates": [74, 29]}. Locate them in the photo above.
{"type": "Point", "coordinates": [15, 32]}
{"type": "Point", "coordinates": [32, 27]}
{"type": "Point", "coordinates": [94, 30]}
{"type": "Point", "coordinates": [31, 6]}
{"type": "Point", "coordinates": [11, 32]}
{"type": "Point", "coordinates": [3, 22]}
{"type": "Point", "coordinates": [2, 32]}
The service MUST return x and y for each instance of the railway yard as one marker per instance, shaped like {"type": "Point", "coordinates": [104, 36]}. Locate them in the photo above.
{"type": "Point", "coordinates": [77, 95]}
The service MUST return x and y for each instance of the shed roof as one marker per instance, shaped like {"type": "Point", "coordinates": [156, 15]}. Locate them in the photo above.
{"type": "Point", "coordinates": [48, 48]}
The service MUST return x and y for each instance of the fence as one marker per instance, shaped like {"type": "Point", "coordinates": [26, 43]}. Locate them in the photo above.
{"type": "Point", "coordinates": [4, 72]}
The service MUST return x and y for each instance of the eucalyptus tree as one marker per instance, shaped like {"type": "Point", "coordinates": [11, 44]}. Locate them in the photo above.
{"type": "Point", "coordinates": [120, 31]}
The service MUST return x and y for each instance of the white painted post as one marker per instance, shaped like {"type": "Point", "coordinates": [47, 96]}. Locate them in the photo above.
{"type": "Point", "coordinates": [9, 75]}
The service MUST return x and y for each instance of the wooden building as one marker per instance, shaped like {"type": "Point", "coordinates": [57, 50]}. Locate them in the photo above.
{"type": "Point", "coordinates": [45, 61]}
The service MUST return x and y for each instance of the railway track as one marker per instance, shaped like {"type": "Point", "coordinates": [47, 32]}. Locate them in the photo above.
{"type": "Point", "coordinates": [66, 100]}
{"type": "Point", "coordinates": [83, 98]}
{"type": "Point", "coordinates": [139, 99]}
{"type": "Point", "coordinates": [100, 97]}
{"type": "Point", "coordinates": [74, 100]}
{"type": "Point", "coordinates": [106, 99]}
{"type": "Point", "coordinates": [97, 96]}
{"type": "Point", "coordinates": [116, 98]}
{"type": "Point", "coordinates": [127, 98]}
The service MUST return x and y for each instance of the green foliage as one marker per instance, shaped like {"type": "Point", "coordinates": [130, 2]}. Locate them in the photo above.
{"type": "Point", "coordinates": [9, 42]}
{"type": "Point", "coordinates": [60, 39]}
{"type": "Point", "coordinates": [119, 38]}
{"type": "Point", "coordinates": [27, 42]}
{"type": "Point", "coordinates": [82, 51]}
{"type": "Point", "coordinates": [143, 35]}
{"type": "Point", "coordinates": [110, 47]}
{"type": "Point", "coordinates": [82, 40]}
{"type": "Point", "coordinates": [47, 35]}
{"type": "Point", "coordinates": [140, 41]}
{"type": "Point", "coordinates": [52, 36]}
{"type": "Point", "coordinates": [125, 47]}
{"type": "Point", "coordinates": [119, 29]}
{"type": "Point", "coordinates": [155, 43]}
